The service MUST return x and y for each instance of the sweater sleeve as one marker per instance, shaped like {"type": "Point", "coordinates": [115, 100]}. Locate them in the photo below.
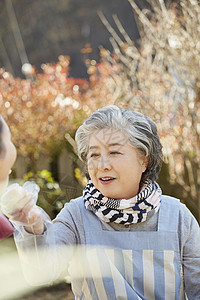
{"type": "Point", "coordinates": [68, 225]}
{"type": "Point", "coordinates": [190, 249]}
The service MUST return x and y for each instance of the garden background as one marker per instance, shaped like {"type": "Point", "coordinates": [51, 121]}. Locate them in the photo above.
{"type": "Point", "coordinates": [61, 60]}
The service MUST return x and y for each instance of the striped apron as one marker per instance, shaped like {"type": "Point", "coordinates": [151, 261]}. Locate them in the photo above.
{"type": "Point", "coordinates": [131, 265]}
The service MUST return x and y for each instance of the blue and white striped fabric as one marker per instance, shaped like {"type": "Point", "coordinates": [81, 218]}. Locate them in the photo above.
{"type": "Point", "coordinates": [131, 264]}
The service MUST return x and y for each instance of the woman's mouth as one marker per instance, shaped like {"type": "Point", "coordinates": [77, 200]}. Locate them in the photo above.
{"type": "Point", "coordinates": [106, 179]}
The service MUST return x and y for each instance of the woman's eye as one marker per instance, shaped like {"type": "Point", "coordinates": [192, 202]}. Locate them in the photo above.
{"type": "Point", "coordinates": [94, 155]}
{"type": "Point", "coordinates": [115, 152]}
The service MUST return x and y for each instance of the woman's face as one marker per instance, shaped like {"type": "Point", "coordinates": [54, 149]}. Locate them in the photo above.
{"type": "Point", "coordinates": [7, 157]}
{"type": "Point", "coordinates": [115, 167]}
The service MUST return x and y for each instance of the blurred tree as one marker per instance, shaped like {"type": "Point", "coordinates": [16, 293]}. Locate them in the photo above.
{"type": "Point", "coordinates": [49, 28]}
{"type": "Point", "coordinates": [161, 78]}
{"type": "Point", "coordinates": [41, 109]}
{"type": "Point", "coordinates": [44, 110]}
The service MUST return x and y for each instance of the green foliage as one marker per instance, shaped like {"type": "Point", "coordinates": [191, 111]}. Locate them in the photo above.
{"type": "Point", "coordinates": [80, 176]}
{"type": "Point", "coordinates": [51, 198]}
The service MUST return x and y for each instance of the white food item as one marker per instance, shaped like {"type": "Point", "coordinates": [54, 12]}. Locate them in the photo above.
{"type": "Point", "coordinates": [15, 198]}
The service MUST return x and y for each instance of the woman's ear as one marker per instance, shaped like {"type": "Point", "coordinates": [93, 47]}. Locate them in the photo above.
{"type": "Point", "coordinates": [144, 163]}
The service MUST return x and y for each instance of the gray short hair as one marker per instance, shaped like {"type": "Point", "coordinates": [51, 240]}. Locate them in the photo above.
{"type": "Point", "coordinates": [140, 130]}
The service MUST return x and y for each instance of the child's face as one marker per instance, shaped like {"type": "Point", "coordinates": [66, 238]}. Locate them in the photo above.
{"type": "Point", "coordinates": [7, 157]}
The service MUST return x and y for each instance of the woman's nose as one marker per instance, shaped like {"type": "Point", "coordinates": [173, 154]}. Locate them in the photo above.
{"type": "Point", "coordinates": [104, 163]}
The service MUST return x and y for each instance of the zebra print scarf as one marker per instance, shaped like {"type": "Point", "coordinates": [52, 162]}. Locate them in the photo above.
{"type": "Point", "coordinates": [123, 211]}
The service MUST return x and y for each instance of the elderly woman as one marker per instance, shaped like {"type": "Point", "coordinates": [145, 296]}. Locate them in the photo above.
{"type": "Point", "coordinates": [7, 159]}
{"type": "Point", "coordinates": [144, 245]}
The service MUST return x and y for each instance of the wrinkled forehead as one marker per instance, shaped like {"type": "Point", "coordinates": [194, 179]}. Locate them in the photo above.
{"type": "Point", "coordinates": [108, 136]}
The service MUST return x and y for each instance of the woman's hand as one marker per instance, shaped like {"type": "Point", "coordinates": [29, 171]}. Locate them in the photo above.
{"type": "Point", "coordinates": [30, 217]}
